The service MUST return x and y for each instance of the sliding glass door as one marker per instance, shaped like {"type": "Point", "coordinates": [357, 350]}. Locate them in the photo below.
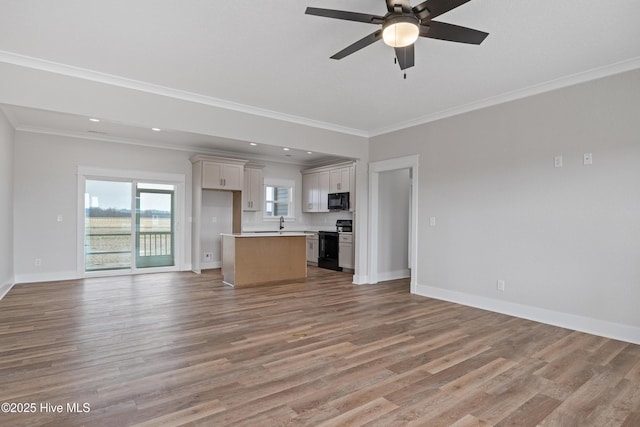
{"type": "Point", "coordinates": [154, 226]}
{"type": "Point", "coordinates": [128, 225]}
{"type": "Point", "coordinates": [107, 225]}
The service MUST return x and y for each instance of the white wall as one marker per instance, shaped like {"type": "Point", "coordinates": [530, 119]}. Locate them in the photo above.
{"type": "Point", "coordinates": [6, 204]}
{"type": "Point", "coordinates": [566, 240]}
{"type": "Point", "coordinates": [217, 217]}
{"type": "Point", "coordinates": [393, 224]}
{"type": "Point", "coordinates": [45, 186]}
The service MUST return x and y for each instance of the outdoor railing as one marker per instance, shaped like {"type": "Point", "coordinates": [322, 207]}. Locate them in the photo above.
{"type": "Point", "coordinates": [150, 243]}
{"type": "Point", "coordinates": [154, 243]}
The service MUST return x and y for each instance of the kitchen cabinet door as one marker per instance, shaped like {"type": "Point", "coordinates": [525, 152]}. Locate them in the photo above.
{"type": "Point", "coordinates": [253, 189]}
{"type": "Point", "coordinates": [212, 175]}
{"type": "Point", "coordinates": [323, 192]}
{"type": "Point", "coordinates": [315, 190]}
{"type": "Point", "coordinates": [220, 176]}
{"type": "Point", "coordinates": [312, 249]}
{"type": "Point", "coordinates": [232, 176]}
{"type": "Point", "coordinates": [309, 192]}
{"type": "Point", "coordinates": [339, 181]}
{"type": "Point", "coordinates": [345, 255]}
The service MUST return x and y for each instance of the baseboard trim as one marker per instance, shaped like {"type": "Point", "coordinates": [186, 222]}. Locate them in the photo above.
{"type": "Point", "coordinates": [360, 279]}
{"type": "Point", "coordinates": [393, 275]}
{"type": "Point", "coordinates": [588, 325]}
{"type": "Point", "coordinates": [210, 265]}
{"type": "Point", "coordinates": [6, 287]}
{"type": "Point", "coordinates": [46, 277]}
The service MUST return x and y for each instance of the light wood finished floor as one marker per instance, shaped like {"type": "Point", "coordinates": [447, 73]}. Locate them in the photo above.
{"type": "Point", "coordinates": [178, 348]}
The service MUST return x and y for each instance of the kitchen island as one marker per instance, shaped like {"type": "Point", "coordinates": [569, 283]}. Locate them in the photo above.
{"type": "Point", "coordinates": [251, 259]}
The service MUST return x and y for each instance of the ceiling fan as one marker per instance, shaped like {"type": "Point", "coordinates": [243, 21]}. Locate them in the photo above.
{"type": "Point", "coordinates": [403, 24]}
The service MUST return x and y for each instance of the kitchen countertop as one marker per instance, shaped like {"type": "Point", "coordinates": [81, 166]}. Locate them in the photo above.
{"type": "Point", "coordinates": [268, 234]}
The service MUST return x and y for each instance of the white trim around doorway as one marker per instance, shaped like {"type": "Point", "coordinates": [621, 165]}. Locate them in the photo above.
{"type": "Point", "coordinates": [375, 168]}
{"type": "Point", "coordinates": [178, 180]}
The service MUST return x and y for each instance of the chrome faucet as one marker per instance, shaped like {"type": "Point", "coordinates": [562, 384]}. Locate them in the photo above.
{"type": "Point", "coordinates": [281, 222]}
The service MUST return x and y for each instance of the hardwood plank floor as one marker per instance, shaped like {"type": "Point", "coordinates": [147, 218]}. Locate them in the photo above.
{"type": "Point", "coordinates": [183, 349]}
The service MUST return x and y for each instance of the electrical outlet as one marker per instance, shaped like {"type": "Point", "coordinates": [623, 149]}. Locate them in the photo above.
{"type": "Point", "coordinates": [500, 285]}
{"type": "Point", "coordinates": [432, 221]}
{"type": "Point", "coordinates": [38, 262]}
{"type": "Point", "coordinates": [59, 218]}
{"type": "Point", "coordinates": [588, 158]}
{"type": "Point", "coordinates": [208, 256]}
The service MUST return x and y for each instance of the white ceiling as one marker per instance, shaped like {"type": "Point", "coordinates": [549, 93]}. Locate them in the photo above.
{"type": "Point", "coordinates": [269, 56]}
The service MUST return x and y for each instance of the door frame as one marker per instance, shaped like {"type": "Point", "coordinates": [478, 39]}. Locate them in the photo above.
{"type": "Point", "coordinates": [138, 258]}
{"type": "Point", "coordinates": [177, 180]}
{"type": "Point", "coordinates": [375, 168]}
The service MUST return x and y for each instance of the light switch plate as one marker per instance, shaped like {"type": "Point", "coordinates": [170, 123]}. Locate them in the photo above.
{"type": "Point", "coordinates": [557, 161]}
{"type": "Point", "coordinates": [588, 158]}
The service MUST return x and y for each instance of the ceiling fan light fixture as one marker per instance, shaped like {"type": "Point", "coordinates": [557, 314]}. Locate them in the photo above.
{"type": "Point", "coordinates": [401, 31]}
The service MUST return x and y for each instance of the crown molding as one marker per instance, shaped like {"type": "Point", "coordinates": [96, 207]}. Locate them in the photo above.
{"type": "Point", "coordinates": [109, 79]}
{"type": "Point", "coordinates": [10, 117]}
{"type": "Point", "coordinates": [574, 79]}
{"type": "Point", "coordinates": [123, 82]}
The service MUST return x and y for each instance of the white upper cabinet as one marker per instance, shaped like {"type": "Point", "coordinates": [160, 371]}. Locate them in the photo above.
{"type": "Point", "coordinates": [339, 181]}
{"type": "Point", "coordinates": [253, 189]}
{"type": "Point", "coordinates": [222, 176]}
{"type": "Point", "coordinates": [319, 182]}
{"type": "Point", "coordinates": [315, 190]}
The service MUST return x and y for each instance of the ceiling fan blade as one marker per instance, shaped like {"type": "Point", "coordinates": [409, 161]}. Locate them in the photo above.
{"type": "Point", "coordinates": [452, 33]}
{"type": "Point", "coordinates": [432, 8]}
{"type": "Point", "coordinates": [404, 4]}
{"type": "Point", "coordinates": [405, 56]}
{"type": "Point", "coordinates": [348, 16]}
{"type": "Point", "coordinates": [362, 43]}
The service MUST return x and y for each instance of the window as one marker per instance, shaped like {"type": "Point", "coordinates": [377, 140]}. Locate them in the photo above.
{"type": "Point", "coordinates": [278, 197]}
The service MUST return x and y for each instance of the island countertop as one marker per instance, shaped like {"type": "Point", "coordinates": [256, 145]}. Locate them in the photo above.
{"type": "Point", "coordinates": [268, 234]}
{"type": "Point", "coordinates": [250, 259]}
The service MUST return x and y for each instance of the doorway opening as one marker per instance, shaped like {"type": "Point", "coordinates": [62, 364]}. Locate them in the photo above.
{"type": "Point", "coordinates": [403, 172]}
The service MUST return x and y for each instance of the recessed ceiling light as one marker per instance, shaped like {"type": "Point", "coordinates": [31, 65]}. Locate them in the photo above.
{"type": "Point", "coordinates": [155, 129]}
{"type": "Point", "coordinates": [94, 120]}
{"type": "Point", "coordinates": [286, 149]}
{"type": "Point", "coordinates": [309, 152]}
{"type": "Point", "coordinates": [253, 143]}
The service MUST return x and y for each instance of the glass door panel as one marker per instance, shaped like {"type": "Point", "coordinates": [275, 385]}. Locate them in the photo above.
{"type": "Point", "coordinates": [107, 225]}
{"type": "Point", "coordinates": [154, 225]}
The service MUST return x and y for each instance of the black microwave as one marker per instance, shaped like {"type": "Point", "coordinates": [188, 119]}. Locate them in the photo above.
{"type": "Point", "coordinates": [338, 201]}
